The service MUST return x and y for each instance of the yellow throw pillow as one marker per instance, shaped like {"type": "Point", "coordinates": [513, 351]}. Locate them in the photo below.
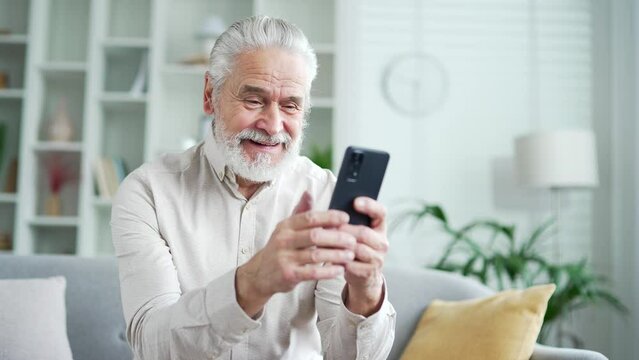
{"type": "Point", "coordinates": [504, 326]}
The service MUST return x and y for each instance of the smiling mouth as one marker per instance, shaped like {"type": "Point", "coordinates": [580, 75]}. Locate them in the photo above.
{"type": "Point", "coordinates": [264, 143]}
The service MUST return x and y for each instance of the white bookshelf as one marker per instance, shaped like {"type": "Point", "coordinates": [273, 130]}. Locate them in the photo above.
{"type": "Point", "coordinates": [57, 221]}
{"type": "Point", "coordinates": [14, 52]}
{"type": "Point", "coordinates": [11, 93]}
{"type": "Point", "coordinates": [53, 146]}
{"type": "Point", "coordinates": [8, 198]}
{"type": "Point", "coordinates": [124, 42]}
{"type": "Point", "coordinates": [90, 52]}
{"type": "Point", "coordinates": [14, 39]}
{"type": "Point", "coordinates": [64, 67]}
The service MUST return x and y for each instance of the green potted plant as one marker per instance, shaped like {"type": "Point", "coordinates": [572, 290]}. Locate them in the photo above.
{"type": "Point", "coordinates": [322, 157]}
{"type": "Point", "coordinates": [504, 261]}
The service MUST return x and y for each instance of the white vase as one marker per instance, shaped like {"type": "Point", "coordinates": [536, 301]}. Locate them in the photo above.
{"type": "Point", "coordinates": [60, 125]}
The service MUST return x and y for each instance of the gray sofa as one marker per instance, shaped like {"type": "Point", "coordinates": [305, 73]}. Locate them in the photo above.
{"type": "Point", "coordinates": [96, 327]}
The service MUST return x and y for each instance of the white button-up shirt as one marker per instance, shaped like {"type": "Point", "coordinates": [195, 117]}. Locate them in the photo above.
{"type": "Point", "coordinates": [181, 228]}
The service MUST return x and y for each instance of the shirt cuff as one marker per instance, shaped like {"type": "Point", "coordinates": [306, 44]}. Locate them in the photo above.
{"type": "Point", "coordinates": [228, 320]}
{"type": "Point", "coordinates": [367, 331]}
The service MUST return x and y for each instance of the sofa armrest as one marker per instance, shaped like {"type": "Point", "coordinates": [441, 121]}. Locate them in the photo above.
{"type": "Point", "coordinates": [543, 352]}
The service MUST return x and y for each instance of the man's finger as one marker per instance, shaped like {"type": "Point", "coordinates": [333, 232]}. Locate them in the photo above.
{"type": "Point", "coordinates": [374, 209]}
{"type": "Point", "coordinates": [367, 255]}
{"type": "Point", "coordinates": [367, 236]}
{"type": "Point", "coordinates": [313, 219]}
{"type": "Point", "coordinates": [327, 238]}
{"type": "Point", "coordinates": [318, 272]}
{"type": "Point", "coordinates": [323, 255]}
{"type": "Point", "coordinates": [305, 204]}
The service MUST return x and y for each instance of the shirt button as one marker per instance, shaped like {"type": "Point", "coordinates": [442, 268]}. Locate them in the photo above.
{"type": "Point", "coordinates": [247, 207]}
{"type": "Point", "coordinates": [244, 250]}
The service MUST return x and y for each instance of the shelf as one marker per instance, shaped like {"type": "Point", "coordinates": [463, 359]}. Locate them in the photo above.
{"type": "Point", "coordinates": [58, 146]}
{"type": "Point", "coordinates": [322, 102]}
{"type": "Point", "coordinates": [11, 93]}
{"type": "Point", "coordinates": [6, 252]}
{"type": "Point", "coordinates": [14, 39]}
{"type": "Point", "coordinates": [125, 42]}
{"type": "Point", "coordinates": [8, 198]}
{"type": "Point", "coordinates": [118, 99]}
{"type": "Point", "coordinates": [75, 68]}
{"type": "Point", "coordinates": [187, 70]}
{"type": "Point", "coordinates": [55, 221]}
{"type": "Point", "coordinates": [102, 202]}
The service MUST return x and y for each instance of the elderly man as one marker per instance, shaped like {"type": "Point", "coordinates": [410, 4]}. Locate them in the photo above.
{"type": "Point", "coordinates": [227, 250]}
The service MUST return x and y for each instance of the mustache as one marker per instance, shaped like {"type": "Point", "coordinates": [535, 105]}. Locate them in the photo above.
{"type": "Point", "coordinates": [259, 136]}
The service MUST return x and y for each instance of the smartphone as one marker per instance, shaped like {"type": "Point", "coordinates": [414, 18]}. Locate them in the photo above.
{"type": "Point", "coordinates": [361, 174]}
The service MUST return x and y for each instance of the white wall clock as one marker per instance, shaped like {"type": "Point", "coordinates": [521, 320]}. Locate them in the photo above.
{"type": "Point", "coordinates": [414, 84]}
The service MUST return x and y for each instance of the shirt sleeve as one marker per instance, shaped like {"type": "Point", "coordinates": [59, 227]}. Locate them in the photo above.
{"type": "Point", "coordinates": [162, 322]}
{"type": "Point", "coordinates": [346, 335]}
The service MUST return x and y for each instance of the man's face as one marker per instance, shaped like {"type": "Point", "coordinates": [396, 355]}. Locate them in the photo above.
{"type": "Point", "coordinates": [260, 112]}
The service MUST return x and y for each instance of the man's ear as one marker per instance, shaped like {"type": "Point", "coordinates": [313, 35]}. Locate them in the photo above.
{"type": "Point", "coordinates": [208, 94]}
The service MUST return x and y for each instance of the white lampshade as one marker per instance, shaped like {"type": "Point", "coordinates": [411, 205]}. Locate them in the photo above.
{"type": "Point", "coordinates": [557, 159]}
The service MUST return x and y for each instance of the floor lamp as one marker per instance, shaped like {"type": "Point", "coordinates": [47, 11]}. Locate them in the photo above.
{"type": "Point", "coordinates": [557, 160]}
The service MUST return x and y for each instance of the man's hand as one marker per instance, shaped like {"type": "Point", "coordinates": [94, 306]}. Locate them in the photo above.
{"type": "Point", "coordinates": [296, 252]}
{"type": "Point", "coordinates": [364, 275]}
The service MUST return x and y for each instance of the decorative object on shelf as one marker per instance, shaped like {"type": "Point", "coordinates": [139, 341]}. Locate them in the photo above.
{"type": "Point", "coordinates": [414, 84]}
{"type": "Point", "coordinates": [11, 184]}
{"type": "Point", "coordinates": [109, 172]}
{"type": "Point", "coordinates": [212, 27]}
{"type": "Point", "coordinates": [502, 259]}
{"type": "Point", "coordinates": [139, 84]}
{"type": "Point", "coordinates": [59, 174]}
{"type": "Point", "coordinates": [60, 126]}
{"type": "Point", "coordinates": [4, 80]}
{"type": "Point", "coordinates": [5, 241]}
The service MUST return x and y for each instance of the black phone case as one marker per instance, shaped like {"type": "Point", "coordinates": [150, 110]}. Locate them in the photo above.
{"type": "Point", "coordinates": [355, 180]}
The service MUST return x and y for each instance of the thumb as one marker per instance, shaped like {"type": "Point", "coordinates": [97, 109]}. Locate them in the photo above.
{"type": "Point", "coordinates": [305, 204]}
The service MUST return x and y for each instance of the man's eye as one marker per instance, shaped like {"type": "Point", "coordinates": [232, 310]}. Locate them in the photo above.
{"type": "Point", "coordinates": [291, 107]}
{"type": "Point", "coordinates": [253, 102]}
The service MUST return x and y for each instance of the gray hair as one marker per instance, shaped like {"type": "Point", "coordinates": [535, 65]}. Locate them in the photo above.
{"type": "Point", "coordinates": [254, 33]}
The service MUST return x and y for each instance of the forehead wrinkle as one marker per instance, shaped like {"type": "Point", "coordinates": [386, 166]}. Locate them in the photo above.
{"type": "Point", "coordinates": [251, 70]}
{"type": "Point", "coordinates": [268, 88]}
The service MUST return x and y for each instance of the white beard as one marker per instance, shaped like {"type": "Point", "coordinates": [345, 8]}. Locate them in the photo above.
{"type": "Point", "coordinates": [262, 168]}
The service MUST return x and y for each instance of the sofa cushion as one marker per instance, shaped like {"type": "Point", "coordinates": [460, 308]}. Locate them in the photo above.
{"type": "Point", "coordinates": [95, 323]}
{"type": "Point", "coordinates": [502, 326]}
{"type": "Point", "coordinates": [33, 320]}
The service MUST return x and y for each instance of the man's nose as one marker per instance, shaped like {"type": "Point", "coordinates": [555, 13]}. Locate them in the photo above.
{"type": "Point", "coordinates": [271, 120]}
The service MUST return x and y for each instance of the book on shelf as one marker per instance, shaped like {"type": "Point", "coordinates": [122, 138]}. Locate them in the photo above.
{"type": "Point", "coordinates": [108, 173]}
